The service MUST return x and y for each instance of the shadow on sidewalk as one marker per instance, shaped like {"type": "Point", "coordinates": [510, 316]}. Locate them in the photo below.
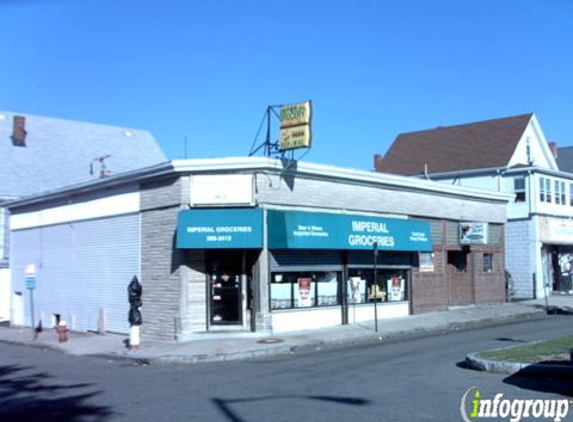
{"type": "Point", "coordinates": [26, 395]}
{"type": "Point", "coordinates": [224, 406]}
{"type": "Point", "coordinates": [555, 310]}
{"type": "Point", "coordinates": [547, 377]}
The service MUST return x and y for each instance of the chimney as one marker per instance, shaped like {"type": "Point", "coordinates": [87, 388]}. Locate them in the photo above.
{"type": "Point", "coordinates": [19, 131]}
{"type": "Point", "coordinates": [378, 162]}
{"type": "Point", "coordinates": [554, 149]}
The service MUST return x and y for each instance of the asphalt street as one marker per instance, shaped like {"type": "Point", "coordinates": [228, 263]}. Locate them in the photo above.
{"type": "Point", "coordinates": [411, 380]}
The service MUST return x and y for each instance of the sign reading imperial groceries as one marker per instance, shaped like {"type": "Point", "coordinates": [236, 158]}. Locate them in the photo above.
{"type": "Point", "coordinates": [308, 230]}
{"type": "Point", "coordinates": [295, 130]}
{"type": "Point", "coordinates": [220, 229]}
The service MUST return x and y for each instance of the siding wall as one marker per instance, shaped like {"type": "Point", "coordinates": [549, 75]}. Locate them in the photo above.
{"type": "Point", "coordinates": [5, 294]}
{"type": "Point", "coordinates": [80, 268]}
{"type": "Point", "coordinates": [353, 197]}
{"type": "Point", "coordinates": [520, 260]}
{"type": "Point", "coordinates": [4, 237]}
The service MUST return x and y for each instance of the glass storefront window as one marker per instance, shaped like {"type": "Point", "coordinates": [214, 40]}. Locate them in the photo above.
{"type": "Point", "coordinates": [391, 286]}
{"type": "Point", "coordinates": [305, 289]}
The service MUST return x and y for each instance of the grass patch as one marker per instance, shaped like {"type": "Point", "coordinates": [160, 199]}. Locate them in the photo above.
{"type": "Point", "coordinates": [557, 349]}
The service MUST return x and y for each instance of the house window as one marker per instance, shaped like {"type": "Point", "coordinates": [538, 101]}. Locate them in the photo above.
{"type": "Point", "coordinates": [427, 262]}
{"type": "Point", "coordinates": [571, 194]}
{"type": "Point", "coordinates": [487, 263]}
{"type": "Point", "coordinates": [545, 194]}
{"type": "Point", "coordinates": [519, 189]}
{"type": "Point", "coordinates": [557, 192]}
{"type": "Point", "coordinates": [562, 192]}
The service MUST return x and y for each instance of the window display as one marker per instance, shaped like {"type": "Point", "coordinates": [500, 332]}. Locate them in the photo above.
{"type": "Point", "coordinates": [305, 289]}
{"type": "Point", "coordinates": [390, 286]}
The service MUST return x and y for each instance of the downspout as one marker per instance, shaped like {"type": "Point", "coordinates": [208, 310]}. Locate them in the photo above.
{"type": "Point", "coordinates": [535, 222]}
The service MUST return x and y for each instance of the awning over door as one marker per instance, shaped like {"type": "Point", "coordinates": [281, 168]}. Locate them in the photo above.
{"type": "Point", "coordinates": [240, 228]}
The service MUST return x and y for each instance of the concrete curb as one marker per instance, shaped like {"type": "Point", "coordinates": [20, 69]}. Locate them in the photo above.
{"type": "Point", "coordinates": [35, 345]}
{"type": "Point", "coordinates": [494, 366]}
{"type": "Point", "coordinates": [305, 341]}
{"type": "Point", "coordinates": [555, 370]}
{"type": "Point", "coordinates": [417, 332]}
{"type": "Point", "coordinates": [289, 347]}
{"type": "Point", "coordinates": [272, 350]}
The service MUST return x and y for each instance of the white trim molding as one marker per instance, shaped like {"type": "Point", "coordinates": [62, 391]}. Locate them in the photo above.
{"type": "Point", "coordinates": [125, 203]}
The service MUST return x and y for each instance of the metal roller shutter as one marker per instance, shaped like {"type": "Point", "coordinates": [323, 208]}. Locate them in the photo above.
{"type": "Point", "coordinates": [366, 258]}
{"type": "Point", "coordinates": [301, 260]}
{"type": "Point", "coordinates": [81, 267]}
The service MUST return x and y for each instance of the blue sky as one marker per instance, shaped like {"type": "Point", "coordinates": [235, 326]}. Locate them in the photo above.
{"type": "Point", "coordinates": [207, 70]}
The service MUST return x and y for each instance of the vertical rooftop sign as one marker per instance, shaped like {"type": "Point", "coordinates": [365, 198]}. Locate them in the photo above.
{"type": "Point", "coordinates": [295, 126]}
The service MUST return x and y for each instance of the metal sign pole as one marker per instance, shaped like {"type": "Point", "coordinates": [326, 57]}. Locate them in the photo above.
{"type": "Point", "coordinates": [32, 310]}
{"type": "Point", "coordinates": [375, 287]}
{"type": "Point", "coordinates": [30, 277]}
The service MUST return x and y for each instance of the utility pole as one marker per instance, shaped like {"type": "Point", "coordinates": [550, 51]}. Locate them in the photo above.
{"type": "Point", "coordinates": [375, 287]}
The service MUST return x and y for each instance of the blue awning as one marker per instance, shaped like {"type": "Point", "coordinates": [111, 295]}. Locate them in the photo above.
{"type": "Point", "coordinates": [309, 230]}
{"type": "Point", "coordinates": [240, 228]}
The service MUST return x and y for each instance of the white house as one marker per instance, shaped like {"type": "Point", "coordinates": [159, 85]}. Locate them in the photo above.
{"type": "Point", "coordinates": [507, 155]}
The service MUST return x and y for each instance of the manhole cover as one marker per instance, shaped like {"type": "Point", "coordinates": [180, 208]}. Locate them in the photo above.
{"type": "Point", "coordinates": [270, 340]}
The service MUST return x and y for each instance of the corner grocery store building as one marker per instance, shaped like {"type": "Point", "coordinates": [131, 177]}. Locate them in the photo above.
{"type": "Point", "coordinates": [253, 244]}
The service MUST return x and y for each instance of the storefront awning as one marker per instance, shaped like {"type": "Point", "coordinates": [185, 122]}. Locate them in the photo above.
{"type": "Point", "coordinates": [239, 228]}
{"type": "Point", "coordinates": [309, 230]}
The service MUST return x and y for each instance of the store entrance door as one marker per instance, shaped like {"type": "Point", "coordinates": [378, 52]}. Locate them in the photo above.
{"type": "Point", "coordinates": [460, 274]}
{"type": "Point", "coordinates": [225, 287]}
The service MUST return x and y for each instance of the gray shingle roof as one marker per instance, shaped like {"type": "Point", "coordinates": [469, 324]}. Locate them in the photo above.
{"type": "Point", "coordinates": [565, 159]}
{"type": "Point", "coordinates": [59, 152]}
{"type": "Point", "coordinates": [477, 145]}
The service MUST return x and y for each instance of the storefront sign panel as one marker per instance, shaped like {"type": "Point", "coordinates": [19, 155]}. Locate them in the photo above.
{"type": "Point", "coordinates": [472, 233]}
{"type": "Point", "coordinates": [296, 114]}
{"type": "Point", "coordinates": [556, 230]}
{"type": "Point", "coordinates": [222, 190]}
{"type": "Point", "coordinates": [295, 137]}
{"type": "Point", "coordinates": [307, 230]}
{"type": "Point", "coordinates": [295, 127]}
{"type": "Point", "coordinates": [220, 229]}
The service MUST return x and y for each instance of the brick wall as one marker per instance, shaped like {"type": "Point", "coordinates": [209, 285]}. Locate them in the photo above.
{"type": "Point", "coordinates": [430, 291]}
{"type": "Point", "coordinates": [489, 287]}
{"type": "Point", "coordinates": [436, 291]}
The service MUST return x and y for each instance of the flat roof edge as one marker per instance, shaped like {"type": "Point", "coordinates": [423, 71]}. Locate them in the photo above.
{"type": "Point", "coordinates": [265, 164]}
{"type": "Point", "coordinates": [383, 179]}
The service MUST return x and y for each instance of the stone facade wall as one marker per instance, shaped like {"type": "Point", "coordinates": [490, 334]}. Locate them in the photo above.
{"type": "Point", "coordinates": [160, 260]}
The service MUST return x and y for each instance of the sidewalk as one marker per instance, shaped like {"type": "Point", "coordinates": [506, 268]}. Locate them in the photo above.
{"type": "Point", "coordinates": [249, 345]}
